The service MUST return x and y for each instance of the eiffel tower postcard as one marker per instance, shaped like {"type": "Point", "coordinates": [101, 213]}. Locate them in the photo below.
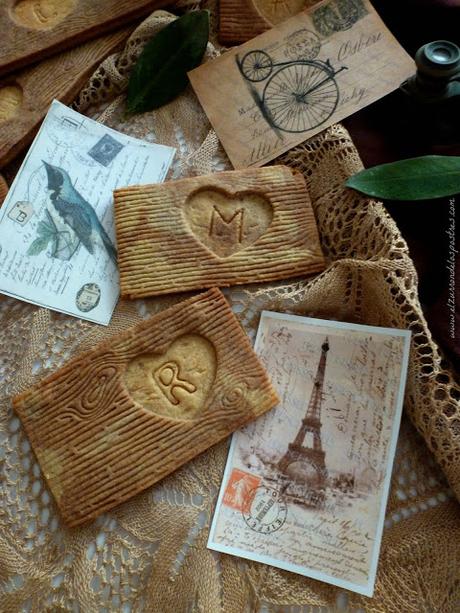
{"type": "Point", "coordinates": [306, 485]}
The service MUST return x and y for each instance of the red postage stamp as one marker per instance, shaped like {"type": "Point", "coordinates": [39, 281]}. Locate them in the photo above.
{"type": "Point", "coordinates": [240, 485]}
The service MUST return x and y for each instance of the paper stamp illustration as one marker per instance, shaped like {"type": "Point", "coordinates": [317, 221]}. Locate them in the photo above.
{"type": "Point", "coordinates": [240, 488]}
{"type": "Point", "coordinates": [105, 150]}
{"type": "Point", "coordinates": [88, 297]}
{"type": "Point", "coordinates": [21, 212]}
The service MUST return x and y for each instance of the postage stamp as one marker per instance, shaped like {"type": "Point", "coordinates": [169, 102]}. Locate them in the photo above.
{"type": "Point", "coordinates": [105, 150]}
{"type": "Point", "coordinates": [338, 15]}
{"type": "Point", "coordinates": [239, 488]}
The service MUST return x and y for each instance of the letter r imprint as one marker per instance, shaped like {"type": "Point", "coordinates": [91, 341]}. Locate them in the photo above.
{"type": "Point", "coordinates": [169, 380]}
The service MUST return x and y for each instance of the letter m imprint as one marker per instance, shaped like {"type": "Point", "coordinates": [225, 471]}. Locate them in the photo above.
{"type": "Point", "coordinates": [220, 224]}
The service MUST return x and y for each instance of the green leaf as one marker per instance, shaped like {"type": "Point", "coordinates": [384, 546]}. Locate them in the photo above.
{"type": "Point", "coordinates": [422, 178]}
{"type": "Point", "coordinates": [39, 245]}
{"type": "Point", "coordinates": [160, 73]}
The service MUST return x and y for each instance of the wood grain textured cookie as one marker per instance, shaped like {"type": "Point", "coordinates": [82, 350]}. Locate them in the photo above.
{"type": "Point", "coordinates": [3, 189]}
{"type": "Point", "coordinates": [229, 228]}
{"type": "Point", "coordinates": [32, 30]}
{"type": "Point", "coordinates": [241, 20]}
{"type": "Point", "coordinates": [25, 99]}
{"type": "Point", "coordinates": [117, 419]}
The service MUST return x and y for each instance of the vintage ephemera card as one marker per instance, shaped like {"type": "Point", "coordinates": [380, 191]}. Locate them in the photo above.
{"type": "Point", "coordinates": [306, 485]}
{"type": "Point", "coordinates": [291, 82]}
{"type": "Point", "coordinates": [57, 238]}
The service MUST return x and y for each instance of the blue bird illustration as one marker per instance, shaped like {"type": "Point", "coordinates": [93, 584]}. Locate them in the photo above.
{"type": "Point", "coordinates": [76, 212]}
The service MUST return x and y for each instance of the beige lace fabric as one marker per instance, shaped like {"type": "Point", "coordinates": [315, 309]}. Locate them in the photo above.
{"type": "Point", "coordinates": [149, 554]}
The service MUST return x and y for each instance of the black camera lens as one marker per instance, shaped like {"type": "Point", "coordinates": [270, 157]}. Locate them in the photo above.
{"type": "Point", "coordinates": [439, 59]}
{"type": "Point", "coordinates": [441, 54]}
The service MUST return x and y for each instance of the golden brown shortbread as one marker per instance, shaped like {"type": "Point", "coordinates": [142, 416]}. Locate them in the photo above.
{"type": "Point", "coordinates": [228, 228]}
{"type": "Point", "coordinates": [32, 30]}
{"type": "Point", "coordinates": [24, 103]}
{"type": "Point", "coordinates": [117, 419]}
{"type": "Point", "coordinates": [241, 20]}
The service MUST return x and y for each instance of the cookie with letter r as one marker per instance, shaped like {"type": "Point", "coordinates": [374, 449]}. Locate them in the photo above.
{"type": "Point", "coordinates": [229, 228]}
{"type": "Point", "coordinates": [119, 418]}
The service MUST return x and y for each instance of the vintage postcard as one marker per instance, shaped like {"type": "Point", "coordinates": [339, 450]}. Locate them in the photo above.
{"type": "Point", "coordinates": [57, 237]}
{"type": "Point", "coordinates": [291, 82]}
{"type": "Point", "coordinates": [306, 485]}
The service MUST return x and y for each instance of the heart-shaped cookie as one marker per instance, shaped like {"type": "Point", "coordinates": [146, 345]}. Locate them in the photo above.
{"type": "Point", "coordinates": [227, 223]}
{"type": "Point", "coordinates": [177, 382]}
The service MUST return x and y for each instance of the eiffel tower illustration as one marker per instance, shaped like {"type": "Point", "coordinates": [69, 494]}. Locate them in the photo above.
{"type": "Point", "coordinates": [299, 450]}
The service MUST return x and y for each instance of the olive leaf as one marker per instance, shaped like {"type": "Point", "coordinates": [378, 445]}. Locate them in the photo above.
{"type": "Point", "coordinates": [160, 73]}
{"type": "Point", "coordinates": [39, 245]}
{"type": "Point", "coordinates": [422, 178]}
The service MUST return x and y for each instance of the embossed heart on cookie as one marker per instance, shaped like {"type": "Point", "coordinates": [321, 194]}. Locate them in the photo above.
{"type": "Point", "coordinates": [42, 14]}
{"type": "Point", "coordinates": [177, 382]}
{"type": "Point", "coordinates": [227, 223]}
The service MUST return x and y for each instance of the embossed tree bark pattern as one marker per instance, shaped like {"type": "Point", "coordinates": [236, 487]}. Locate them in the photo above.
{"type": "Point", "coordinates": [118, 419]}
{"type": "Point", "coordinates": [25, 103]}
{"type": "Point", "coordinates": [226, 229]}
{"type": "Point", "coordinates": [35, 29]}
{"type": "Point", "coordinates": [240, 20]}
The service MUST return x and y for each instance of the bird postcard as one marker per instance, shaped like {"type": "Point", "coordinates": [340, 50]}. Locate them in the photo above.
{"type": "Point", "coordinates": [306, 485]}
{"type": "Point", "coordinates": [57, 234]}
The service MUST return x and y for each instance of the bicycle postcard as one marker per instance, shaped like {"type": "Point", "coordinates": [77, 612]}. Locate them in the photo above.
{"type": "Point", "coordinates": [286, 85]}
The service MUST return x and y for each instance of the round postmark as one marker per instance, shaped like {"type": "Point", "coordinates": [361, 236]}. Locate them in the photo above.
{"type": "Point", "coordinates": [66, 131]}
{"type": "Point", "coordinates": [303, 45]}
{"type": "Point", "coordinates": [265, 509]}
{"type": "Point", "coordinates": [88, 297]}
{"type": "Point", "coordinates": [83, 158]}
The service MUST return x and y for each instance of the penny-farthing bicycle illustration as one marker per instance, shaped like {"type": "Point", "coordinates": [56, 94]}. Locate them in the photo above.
{"type": "Point", "coordinates": [297, 95]}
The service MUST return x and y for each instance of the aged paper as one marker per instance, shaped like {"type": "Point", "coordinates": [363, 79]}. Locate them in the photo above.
{"type": "Point", "coordinates": [291, 82]}
{"type": "Point", "coordinates": [57, 237]}
{"type": "Point", "coordinates": [305, 486]}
